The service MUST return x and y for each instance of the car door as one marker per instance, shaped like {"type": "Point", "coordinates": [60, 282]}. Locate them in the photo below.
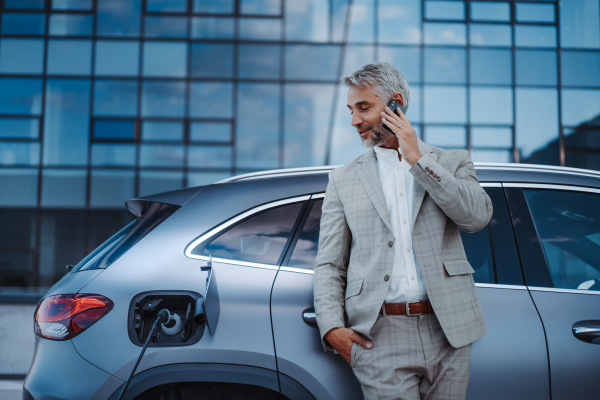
{"type": "Point", "coordinates": [504, 364]}
{"type": "Point", "coordinates": [558, 233]}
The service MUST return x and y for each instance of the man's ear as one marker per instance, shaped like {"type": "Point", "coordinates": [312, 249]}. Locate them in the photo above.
{"type": "Point", "coordinates": [398, 97]}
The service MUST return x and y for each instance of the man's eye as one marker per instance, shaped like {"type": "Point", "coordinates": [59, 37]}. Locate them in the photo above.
{"type": "Point", "coordinates": [364, 109]}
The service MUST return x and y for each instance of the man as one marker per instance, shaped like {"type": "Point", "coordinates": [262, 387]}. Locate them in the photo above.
{"type": "Point", "coordinates": [394, 292]}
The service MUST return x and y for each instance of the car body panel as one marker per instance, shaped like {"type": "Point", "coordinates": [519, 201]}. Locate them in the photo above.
{"type": "Point", "coordinates": [72, 282]}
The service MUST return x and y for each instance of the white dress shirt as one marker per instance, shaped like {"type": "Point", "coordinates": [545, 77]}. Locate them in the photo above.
{"type": "Point", "coordinates": [406, 282]}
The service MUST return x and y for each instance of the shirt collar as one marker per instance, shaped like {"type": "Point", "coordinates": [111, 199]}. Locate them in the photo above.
{"type": "Point", "coordinates": [387, 153]}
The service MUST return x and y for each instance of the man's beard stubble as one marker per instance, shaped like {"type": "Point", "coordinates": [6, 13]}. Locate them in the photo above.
{"type": "Point", "coordinates": [379, 135]}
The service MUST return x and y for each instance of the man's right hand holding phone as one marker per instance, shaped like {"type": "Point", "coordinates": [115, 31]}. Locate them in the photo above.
{"type": "Point", "coordinates": [342, 339]}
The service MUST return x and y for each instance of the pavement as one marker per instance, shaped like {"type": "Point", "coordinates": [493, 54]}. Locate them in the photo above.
{"type": "Point", "coordinates": [11, 390]}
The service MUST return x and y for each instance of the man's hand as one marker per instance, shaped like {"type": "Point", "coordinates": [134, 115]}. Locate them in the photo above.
{"type": "Point", "coordinates": [342, 339]}
{"type": "Point", "coordinates": [407, 137]}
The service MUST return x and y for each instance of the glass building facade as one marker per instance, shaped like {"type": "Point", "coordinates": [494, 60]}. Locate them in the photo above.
{"type": "Point", "coordinates": [106, 100]}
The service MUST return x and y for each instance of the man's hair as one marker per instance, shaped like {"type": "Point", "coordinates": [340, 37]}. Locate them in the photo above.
{"type": "Point", "coordinates": [383, 79]}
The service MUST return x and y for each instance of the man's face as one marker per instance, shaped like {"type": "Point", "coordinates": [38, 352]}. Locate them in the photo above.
{"type": "Point", "coordinates": [366, 109]}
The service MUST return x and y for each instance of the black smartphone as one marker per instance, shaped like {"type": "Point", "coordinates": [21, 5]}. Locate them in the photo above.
{"type": "Point", "coordinates": [393, 105]}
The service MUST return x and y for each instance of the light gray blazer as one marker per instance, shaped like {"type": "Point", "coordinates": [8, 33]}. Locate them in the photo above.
{"type": "Point", "coordinates": [354, 244]}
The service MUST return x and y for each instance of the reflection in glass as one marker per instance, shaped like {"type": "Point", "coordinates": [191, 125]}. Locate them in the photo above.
{"type": "Point", "coordinates": [445, 65]}
{"type": "Point", "coordinates": [166, 5]}
{"type": "Point", "coordinates": [490, 11]}
{"type": "Point", "coordinates": [260, 7]}
{"type": "Point", "coordinates": [165, 59]}
{"type": "Point", "coordinates": [445, 33]}
{"type": "Point", "coordinates": [300, 64]}
{"type": "Point", "coordinates": [22, 232]}
{"type": "Point", "coordinates": [20, 96]}
{"type": "Point", "coordinates": [345, 143]}
{"type": "Point", "coordinates": [212, 60]}
{"type": "Point", "coordinates": [20, 153]}
{"type": "Point", "coordinates": [490, 66]}
{"type": "Point", "coordinates": [71, 4]}
{"type": "Point", "coordinates": [257, 125]}
{"type": "Point", "coordinates": [356, 56]}
{"type": "Point", "coordinates": [108, 154]}
{"type": "Point", "coordinates": [445, 104]}
{"type": "Point", "coordinates": [491, 137]}
{"type": "Point", "coordinates": [492, 156]}
{"type": "Point", "coordinates": [110, 189]}
{"type": "Point", "coordinates": [212, 28]}
{"type": "Point", "coordinates": [339, 13]}
{"type": "Point", "coordinates": [209, 156]}
{"type": "Point", "coordinates": [490, 35]}
{"type": "Point", "coordinates": [362, 18]}
{"type": "Point", "coordinates": [63, 188]}
{"type": "Point", "coordinates": [19, 128]}
{"type": "Point", "coordinates": [580, 68]}
{"type": "Point", "coordinates": [445, 10]}
{"type": "Point", "coordinates": [535, 36]}
{"type": "Point", "coordinates": [151, 182]}
{"type": "Point", "coordinates": [115, 97]}
{"type": "Point", "coordinates": [578, 159]}
{"type": "Point", "coordinates": [537, 125]}
{"type": "Point", "coordinates": [535, 12]}
{"type": "Point", "coordinates": [582, 139]}
{"type": "Point", "coordinates": [161, 155]}
{"type": "Point", "coordinates": [259, 29]}
{"type": "Point", "coordinates": [170, 27]}
{"type": "Point", "coordinates": [579, 24]}
{"type": "Point", "coordinates": [536, 67]}
{"type": "Point", "coordinates": [446, 136]}
{"type": "Point", "coordinates": [211, 132]}
{"type": "Point", "coordinates": [66, 122]}
{"type": "Point", "coordinates": [117, 58]}
{"type": "Point", "coordinates": [114, 129]}
{"type": "Point", "coordinates": [414, 112]}
{"type": "Point", "coordinates": [214, 6]}
{"type": "Point", "coordinates": [205, 178]}
{"type": "Point", "coordinates": [211, 99]}
{"type": "Point", "coordinates": [399, 22]}
{"type": "Point", "coordinates": [305, 251]}
{"type": "Point", "coordinates": [307, 21]}
{"type": "Point", "coordinates": [307, 116]}
{"type": "Point", "coordinates": [491, 105]}
{"type": "Point", "coordinates": [118, 18]}
{"type": "Point", "coordinates": [71, 24]}
{"type": "Point", "coordinates": [23, 24]}
{"type": "Point", "coordinates": [19, 187]}
{"type": "Point", "coordinates": [72, 57]}
{"type": "Point", "coordinates": [259, 61]}
{"type": "Point", "coordinates": [163, 99]}
{"type": "Point", "coordinates": [407, 60]}
{"type": "Point", "coordinates": [162, 131]}
{"type": "Point", "coordinates": [22, 56]}
{"type": "Point", "coordinates": [580, 106]}
{"type": "Point", "coordinates": [33, 4]}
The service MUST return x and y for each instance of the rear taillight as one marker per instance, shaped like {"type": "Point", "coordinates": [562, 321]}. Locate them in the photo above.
{"type": "Point", "coordinates": [65, 316]}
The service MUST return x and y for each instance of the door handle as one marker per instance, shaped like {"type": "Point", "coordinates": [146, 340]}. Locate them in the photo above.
{"type": "Point", "coordinates": [587, 331]}
{"type": "Point", "coordinates": [310, 318]}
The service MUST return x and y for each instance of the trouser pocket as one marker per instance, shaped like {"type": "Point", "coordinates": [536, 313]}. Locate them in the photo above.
{"type": "Point", "coordinates": [353, 352]}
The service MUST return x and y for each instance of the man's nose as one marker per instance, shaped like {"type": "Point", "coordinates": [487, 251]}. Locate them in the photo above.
{"type": "Point", "coordinates": [356, 119]}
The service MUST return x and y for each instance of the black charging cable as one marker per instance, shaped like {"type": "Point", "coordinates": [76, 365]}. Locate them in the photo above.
{"type": "Point", "coordinates": [163, 315]}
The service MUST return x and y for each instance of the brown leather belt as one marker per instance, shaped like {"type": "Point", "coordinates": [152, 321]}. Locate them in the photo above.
{"type": "Point", "coordinates": [421, 307]}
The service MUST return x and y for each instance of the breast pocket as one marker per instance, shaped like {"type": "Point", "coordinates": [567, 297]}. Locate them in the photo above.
{"type": "Point", "coordinates": [458, 267]}
{"type": "Point", "coordinates": [353, 288]}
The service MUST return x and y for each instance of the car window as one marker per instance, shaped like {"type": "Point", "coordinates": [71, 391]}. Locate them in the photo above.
{"type": "Point", "coordinates": [568, 225]}
{"type": "Point", "coordinates": [305, 252]}
{"type": "Point", "coordinates": [261, 238]}
{"type": "Point", "coordinates": [479, 254]}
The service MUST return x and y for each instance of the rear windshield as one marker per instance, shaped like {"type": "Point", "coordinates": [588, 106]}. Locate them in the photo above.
{"type": "Point", "coordinates": [118, 244]}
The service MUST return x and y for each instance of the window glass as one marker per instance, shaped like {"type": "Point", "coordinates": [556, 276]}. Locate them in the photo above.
{"type": "Point", "coordinates": [490, 66]}
{"type": "Point", "coordinates": [399, 22]}
{"type": "Point", "coordinates": [212, 60]}
{"type": "Point", "coordinates": [445, 65]}
{"type": "Point", "coordinates": [165, 59]}
{"type": "Point", "coordinates": [479, 254]}
{"type": "Point", "coordinates": [490, 35]}
{"type": "Point", "coordinates": [491, 156]}
{"type": "Point", "coordinates": [580, 68]}
{"type": "Point", "coordinates": [117, 58]}
{"type": "Point", "coordinates": [214, 6]}
{"type": "Point", "coordinates": [110, 189]}
{"type": "Point", "coordinates": [491, 137]}
{"type": "Point", "coordinates": [260, 239]}
{"type": "Point", "coordinates": [114, 129]}
{"type": "Point", "coordinates": [212, 28]}
{"type": "Point", "coordinates": [115, 97]}
{"type": "Point", "coordinates": [209, 156]}
{"type": "Point", "coordinates": [535, 36]}
{"type": "Point", "coordinates": [23, 24]}
{"type": "Point", "coordinates": [105, 154]}
{"type": "Point", "coordinates": [490, 11]}
{"type": "Point", "coordinates": [579, 24]}
{"type": "Point", "coordinates": [356, 56]}
{"type": "Point", "coordinates": [63, 188]}
{"type": "Point", "coordinates": [118, 18]}
{"type": "Point", "coordinates": [162, 131]}
{"type": "Point", "coordinates": [19, 153]}
{"type": "Point", "coordinates": [16, 268]}
{"type": "Point", "coordinates": [161, 155]}
{"type": "Point", "coordinates": [307, 21]}
{"type": "Point", "coordinates": [406, 59]}
{"type": "Point", "coordinates": [300, 64]}
{"type": "Point", "coordinates": [305, 251]}
{"type": "Point", "coordinates": [414, 107]}
{"type": "Point", "coordinates": [586, 160]}
{"type": "Point", "coordinates": [443, 33]}
{"type": "Point", "coordinates": [71, 4]}
{"type": "Point", "coordinates": [71, 25]}
{"type": "Point", "coordinates": [260, 7]}
{"type": "Point", "coordinates": [211, 132]}
{"type": "Point", "coordinates": [166, 5]}
{"type": "Point", "coordinates": [259, 29]}
{"type": "Point", "coordinates": [205, 178]}
{"type": "Point", "coordinates": [22, 56]}
{"type": "Point", "coordinates": [259, 61]}
{"type": "Point", "coordinates": [20, 96]}
{"type": "Point", "coordinates": [445, 10]}
{"type": "Point", "coordinates": [536, 67]}
{"type": "Point", "coordinates": [211, 99]}
{"type": "Point", "coordinates": [580, 106]}
{"type": "Point", "coordinates": [446, 136]}
{"type": "Point", "coordinates": [489, 105]}
{"type": "Point", "coordinates": [22, 232]}
{"type": "Point", "coordinates": [163, 99]}
{"type": "Point", "coordinates": [537, 125]}
{"type": "Point", "coordinates": [151, 182]}
{"type": "Point", "coordinates": [19, 187]}
{"type": "Point", "coordinates": [19, 128]}
{"type": "Point", "coordinates": [582, 139]}
{"type": "Point", "coordinates": [170, 27]}
{"type": "Point", "coordinates": [437, 108]}
{"type": "Point", "coordinates": [73, 57]}
{"type": "Point", "coordinates": [25, 4]}
{"type": "Point", "coordinates": [535, 12]}
{"type": "Point", "coordinates": [362, 21]}
{"type": "Point", "coordinates": [568, 224]}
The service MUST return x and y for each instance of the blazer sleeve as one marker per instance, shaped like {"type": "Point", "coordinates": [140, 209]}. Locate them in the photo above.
{"type": "Point", "coordinates": [459, 195]}
{"type": "Point", "coordinates": [332, 264]}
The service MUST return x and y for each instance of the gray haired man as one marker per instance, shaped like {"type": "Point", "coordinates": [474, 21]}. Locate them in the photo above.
{"type": "Point", "coordinates": [394, 292]}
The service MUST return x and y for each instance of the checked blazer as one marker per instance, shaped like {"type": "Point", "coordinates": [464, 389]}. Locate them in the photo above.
{"type": "Point", "coordinates": [356, 244]}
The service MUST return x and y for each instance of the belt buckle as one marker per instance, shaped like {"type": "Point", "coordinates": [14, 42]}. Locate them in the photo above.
{"type": "Point", "coordinates": [408, 314]}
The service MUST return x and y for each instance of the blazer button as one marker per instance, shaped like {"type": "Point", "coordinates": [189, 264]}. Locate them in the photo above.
{"type": "Point", "coordinates": [386, 278]}
{"type": "Point", "coordinates": [426, 169]}
{"type": "Point", "coordinates": [390, 243]}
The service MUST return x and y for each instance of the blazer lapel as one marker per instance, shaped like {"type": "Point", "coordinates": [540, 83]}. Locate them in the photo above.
{"type": "Point", "coordinates": [369, 176]}
{"type": "Point", "coordinates": [419, 191]}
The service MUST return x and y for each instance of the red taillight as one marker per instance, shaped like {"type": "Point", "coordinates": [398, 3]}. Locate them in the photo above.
{"type": "Point", "coordinates": [65, 316]}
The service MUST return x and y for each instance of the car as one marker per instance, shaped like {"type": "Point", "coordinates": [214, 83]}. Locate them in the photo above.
{"type": "Point", "coordinates": [233, 263]}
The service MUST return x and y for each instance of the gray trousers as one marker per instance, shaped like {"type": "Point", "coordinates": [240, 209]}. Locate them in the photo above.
{"type": "Point", "coordinates": [411, 359]}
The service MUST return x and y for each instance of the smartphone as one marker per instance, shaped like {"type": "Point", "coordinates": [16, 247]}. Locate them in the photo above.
{"type": "Point", "coordinates": [393, 105]}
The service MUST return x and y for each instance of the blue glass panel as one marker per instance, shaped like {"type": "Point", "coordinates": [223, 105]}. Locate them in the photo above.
{"type": "Point", "coordinates": [537, 125]}
{"type": "Point", "coordinates": [407, 60]}
{"type": "Point", "coordinates": [445, 104]}
{"type": "Point", "coordinates": [260, 7]}
{"type": "Point", "coordinates": [19, 128]}
{"type": "Point", "coordinates": [19, 153]}
{"type": "Point", "coordinates": [23, 24]}
{"type": "Point", "coordinates": [489, 66]}
{"type": "Point", "coordinates": [114, 129]}
{"type": "Point", "coordinates": [162, 131]}
{"type": "Point", "coordinates": [19, 187]}
{"type": "Point", "coordinates": [356, 56]}
{"type": "Point", "coordinates": [535, 12]}
{"type": "Point", "coordinates": [66, 122]}
{"type": "Point", "coordinates": [307, 21]}
{"type": "Point", "coordinates": [72, 4]}
{"type": "Point", "coordinates": [72, 57]}
{"type": "Point", "coordinates": [166, 5]}
{"type": "Point", "coordinates": [20, 96]}
{"type": "Point", "coordinates": [445, 65]}
{"type": "Point", "coordinates": [362, 20]}
{"type": "Point", "coordinates": [449, 137]}
{"type": "Point", "coordinates": [209, 156]}
{"type": "Point", "coordinates": [212, 28]}
{"type": "Point", "coordinates": [445, 10]}
{"type": "Point", "coordinates": [259, 29]}
{"type": "Point", "coordinates": [151, 182]}
{"type": "Point", "coordinates": [257, 125]}
{"type": "Point", "coordinates": [491, 137]}
{"type": "Point", "coordinates": [205, 178]}
{"type": "Point", "coordinates": [71, 25]}
{"type": "Point", "coordinates": [22, 56]}
{"type": "Point", "coordinates": [259, 61]}
{"type": "Point", "coordinates": [63, 188]}
{"type": "Point", "coordinates": [580, 68]}
{"type": "Point", "coordinates": [211, 132]}
{"type": "Point", "coordinates": [212, 60]}
{"type": "Point", "coordinates": [115, 97]}
{"type": "Point", "coordinates": [580, 107]}
{"type": "Point", "coordinates": [536, 67]}
{"type": "Point", "coordinates": [163, 99]}
{"type": "Point", "coordinates": [214, 6]}
{"type": "Point", "coordinates": [161, 155]}
{"type": "Point", "coordinates": [110, 189]}
{"type": "Point", "coordinates": [211, 99]}
{"type": "Point", "coordinates": [414, 112]}
{"type": "Point", "coordinates": [583, 139]}
{"type": "Point", "coordinates": [165, 59]}
{"type": "Point", "coordinates": [445, 33]}
{"type": "Point", "coordinates": [171, 27]}
{"type": "Point", "coordinates": [490, 11]}
{"type": "Point", "coordinates": [399, 22]}
{"type": "Point", "coordinates": [117, 58]}
{"type": "Point", "coordinates": [490, 35]}
{"type": "Point", "coordinates": [24, 4]}
{"type": "Point", "coordinates": [339, 13]}
{"type": "Point", "coordinates": [300, 62]}
{"type": "Point", "coordinates": [110, 154]}
{"type": "Point", "coordinates": [579, 24]}
{"type": "Point", "coordinates": [118, 18]}
{"type": "Point", "coordinates": [492, 156]}
{"type": "Point", "coordinates": [535, 36]}
{"type": "Point", "coordinates": [488, 105]}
